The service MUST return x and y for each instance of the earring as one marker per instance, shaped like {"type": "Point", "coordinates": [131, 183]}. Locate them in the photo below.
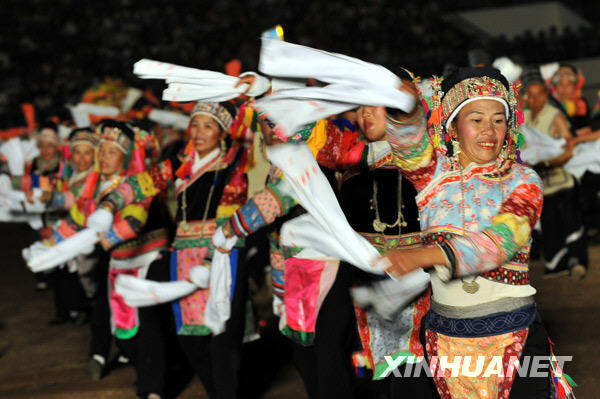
{"type": "Point", "coordinates": [223, 146]}
{"type": "Point", "coordinates": [455, 147]}
{"type": "Point", "coordinates": [455, 151]}
{"type": "Point", "coordinates": [503, 152]}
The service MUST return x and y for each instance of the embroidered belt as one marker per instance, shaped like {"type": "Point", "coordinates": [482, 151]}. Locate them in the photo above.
{"type": "Point", "coordinates": [482, 326]}
{"type": "Point", "coordinates": [384, 242]}
{"type": "Point", "coordinates": [484, 309]}
{"type": "Point", "coordinates": [196, 229]}
{"type": "Point", "coordinates": [156, 239]}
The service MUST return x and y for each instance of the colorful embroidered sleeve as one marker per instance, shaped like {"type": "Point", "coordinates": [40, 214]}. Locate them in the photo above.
{"type": "Point", "coordinates": [73, 222]}
{"type": "Point", "coordinates": [140, 187]}
{"type": "Point", "coordinates": [335, 144]}
{"type": "Point", "coordinates": [413, 152]}
{"type": "Point", "coordinates": [510, 230]}
{"type": "Point", "coordinates": [64, 199]}
{"type": "Point", "coordinates": [263, 208]}
{"type": "Point", "coordinates": [127, 225]}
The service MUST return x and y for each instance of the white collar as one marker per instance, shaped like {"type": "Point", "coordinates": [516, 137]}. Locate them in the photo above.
{"type": "Point", "coordinates": [200, 162]}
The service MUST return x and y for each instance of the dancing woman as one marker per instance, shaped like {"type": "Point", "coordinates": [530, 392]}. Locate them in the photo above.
{"type": "Point", "coordinates": [210, 183]}
{"type": "Point", "coordinates": [477, 208]}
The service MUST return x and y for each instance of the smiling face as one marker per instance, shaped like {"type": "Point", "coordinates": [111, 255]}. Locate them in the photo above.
{"type": "Point", "coordinates": [110, 158]}
{"type": "Point", "coordinates": [371, 121]}
{"type": "Point", "coordinates": [205, 133]}
{"type": "Point", "coordinates": [83, 157]}
{"type": "Point", "coordinates": [480, 128]}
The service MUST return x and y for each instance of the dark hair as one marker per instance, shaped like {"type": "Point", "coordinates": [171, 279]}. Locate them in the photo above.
{"type": "Point", "coordinates": [570, 66]}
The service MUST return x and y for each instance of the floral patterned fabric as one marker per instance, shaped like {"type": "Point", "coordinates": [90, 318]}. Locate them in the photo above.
{"type": "Point", "coordinates": [501, 201]}
{"type": "Point", "coordinates": [506, 346]}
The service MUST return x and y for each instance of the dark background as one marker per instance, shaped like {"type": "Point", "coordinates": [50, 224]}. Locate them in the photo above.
{"type": "Point", "coordinates": [51, 51]}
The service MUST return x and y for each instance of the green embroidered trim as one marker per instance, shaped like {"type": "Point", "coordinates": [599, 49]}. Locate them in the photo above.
{"type": "Point", "coordinates": [300, 337]}
{"type": "Point", "coordinates": [122, 333]}
{"type": "Point", "coordinates": [191, 243]}
{"type": "Point", "coordinates": [193, 329]}
{"type": "Point", "coordinates": [290, 252]}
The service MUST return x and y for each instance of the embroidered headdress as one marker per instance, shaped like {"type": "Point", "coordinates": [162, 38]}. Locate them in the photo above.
{"type": "Point", "coordinates": [84, 135]}
{"type": "Point", "coordinates": [467, 85]}
{"type": "Point", "coordinates": [117, 133]}
{"type": "Point", "coordinates": [215, 110]}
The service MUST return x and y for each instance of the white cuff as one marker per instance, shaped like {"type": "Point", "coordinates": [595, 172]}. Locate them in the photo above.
{"type": "Point", "coordinates": [101, 220]}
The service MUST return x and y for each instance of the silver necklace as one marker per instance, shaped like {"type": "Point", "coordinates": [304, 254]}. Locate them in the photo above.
{"type": "Point", "coordinates": [471, 287]}
{"type": "Point", "coordinates": [380, 226]}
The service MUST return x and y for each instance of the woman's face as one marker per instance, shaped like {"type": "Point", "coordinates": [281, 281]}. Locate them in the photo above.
{"type": "Point", "coordinates": [565, 87]}
{"type": "Point", "coordinates": [480, 128]}
{"type": "Point", "coordinates": [110, 158]}
{"type": "Point", "coordinates": [371, 121]}
{"type": "Point", "coordinates": [271, 138]}
{"type": "Point", "coordinates": [205, 133]}
{"type": "Point", "coordinates": [83, 157]}
{"type": "Point", "coordinates": [536, 97]}
{"type": "Point", "coordinates": [48, 150]}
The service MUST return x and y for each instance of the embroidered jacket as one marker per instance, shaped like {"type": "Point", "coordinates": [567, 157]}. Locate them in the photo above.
{"type": "Point", "coordinates": [501, 203]}
{"type": "Point", "coordinates": [128, 222]}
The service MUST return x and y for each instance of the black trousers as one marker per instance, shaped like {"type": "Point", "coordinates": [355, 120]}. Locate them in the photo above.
{"type": "Point", "coordinates": [536, 345]}
{"type": "Point", "coordinates": [589, 199]}
{"type": "Point", "coordinates": [216, 359]}
{"type": "Point", "coordinates": [336, 338]}
{"type": "Point", "coordinates": [305, 361]}
{"type": "Point", "coordinates": [100, 334]}
{"type": "Point", "coordinates": [153, 336]}
{"type": "Point", "coordinates": [68, 292]}
{"type": "Point", "coordinates": [421, 387]}
{"type": "Point", "coordinates": [564, 242]}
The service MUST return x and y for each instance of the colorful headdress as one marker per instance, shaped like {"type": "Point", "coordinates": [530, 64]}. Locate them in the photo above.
{"type": "Point", "coordinates": [467, 85]}
{"type": "Point", "coordinates": [117, 133]}
{"type": "Point", "coordinates": [78, 136]}
{"type": "Point", "coordinates": [84, 135]}
{"type": "Point", "coordinates": [131, 142]}
{"type": "Point", "coordinates": [575, 106]}
{"type": "Point", "coordinates": [214, 110]}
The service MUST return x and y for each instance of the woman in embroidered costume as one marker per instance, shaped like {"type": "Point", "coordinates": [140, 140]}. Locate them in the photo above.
{"type": "Point", "coordinates": [210, 184]}
{"type": "Point", "coordinates": [564, 243]}
{"type": "Point", "coordinates": [42, 170]}
{"type": "Point", "coordinates": [477, 207]}
{"type": "Point", "coordinates": [70, 280]}
{"type": "Point", "coordinates": [343, 146]}
{"type": "Point", "coordinates": [565, 85]}
{"type": "Point", "coordinates": [130, 245]}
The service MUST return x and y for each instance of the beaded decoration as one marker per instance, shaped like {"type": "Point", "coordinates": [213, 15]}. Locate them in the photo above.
{"type": "Point", "coordinates": [443, 104]}
{"type": "Point", "coordinates": [214, 110]}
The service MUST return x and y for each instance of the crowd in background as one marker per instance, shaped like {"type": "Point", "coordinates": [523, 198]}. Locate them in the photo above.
{"type": "Point", "coordinates": [105, 39]}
